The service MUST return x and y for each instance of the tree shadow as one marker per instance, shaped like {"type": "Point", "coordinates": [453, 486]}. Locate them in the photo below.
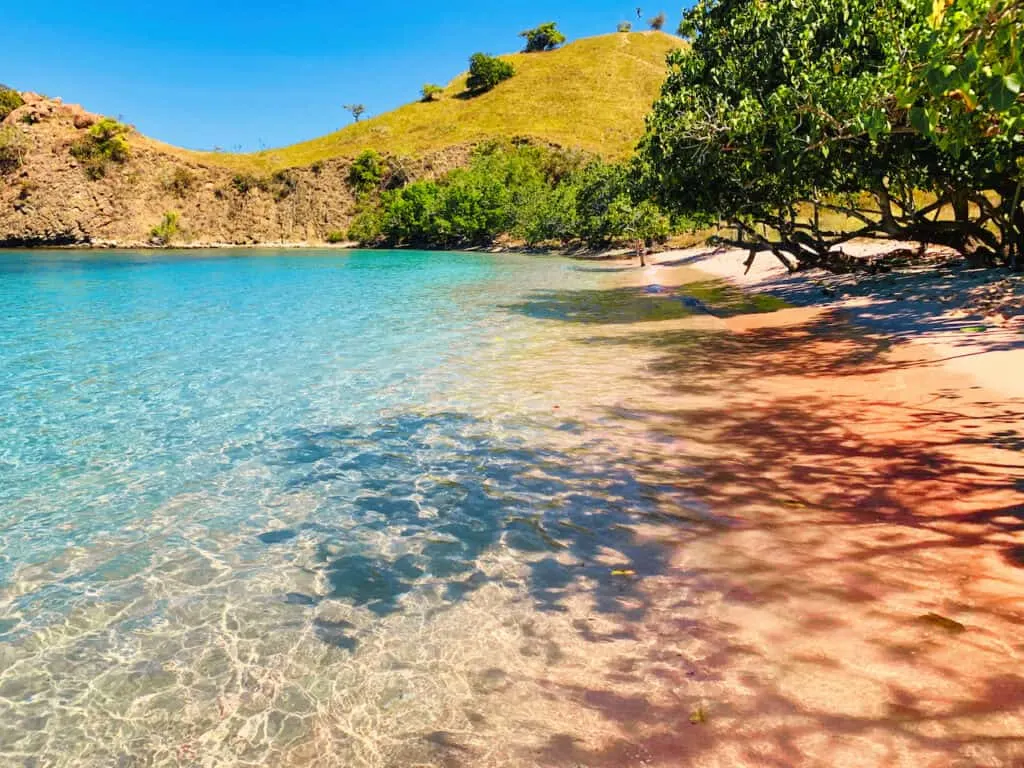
{"type": "Point", "coordinates": [451, 493]}
{"type": "Point", "coordinates": [849, 505]}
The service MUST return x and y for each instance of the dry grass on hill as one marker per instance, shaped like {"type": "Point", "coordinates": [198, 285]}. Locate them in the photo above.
{"type": "Point", "coordinates": [592, 94]}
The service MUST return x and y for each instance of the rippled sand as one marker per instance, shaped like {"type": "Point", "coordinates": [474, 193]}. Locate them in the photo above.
{"type": "Point", "coordinates": [627, 533]}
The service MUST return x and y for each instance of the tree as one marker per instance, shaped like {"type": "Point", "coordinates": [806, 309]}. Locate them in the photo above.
{"type": "Point", "coordinates": [485, 72]}
{"type": "Point", "coordinates": [357, 110]}
{"type": "Point", "coordinates": [624, 26]}
{"type": "Point", "coordinates": [546, 37]}
{"type": "Point", "coordinates": [781, 111]}
{"type": "Point", "coordinates": [657, 22]}
{"type": "Point", "coordinates": [431, 92]}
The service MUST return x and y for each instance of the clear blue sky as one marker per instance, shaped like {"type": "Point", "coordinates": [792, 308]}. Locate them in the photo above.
{"type": "Point", "coordinates": [259, 73]}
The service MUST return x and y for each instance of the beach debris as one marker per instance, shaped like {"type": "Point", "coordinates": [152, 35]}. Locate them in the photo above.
{"type": "Point", "coordinates": [974, 329]}
{"type": "Point", "coordinates": [624, 572]}
{"type": "Point", "coordinates": [942, 622]}
{"type": "Point", "coordinates": [699, 716]}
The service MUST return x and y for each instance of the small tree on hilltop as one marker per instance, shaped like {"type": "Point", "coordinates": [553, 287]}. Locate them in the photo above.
{"type": "Point", "coordinates": [431, 92]}
{"type": "Point", "coordinates": [657, 22]}
{"type": "Point", "coordinates": [625, 26]}
{"type": "Point", "coordinates": [485, 72]}
{"type": "Point", "coordinates": [357, 110]}
{"type": "Point", "coordinates": [546, 37]}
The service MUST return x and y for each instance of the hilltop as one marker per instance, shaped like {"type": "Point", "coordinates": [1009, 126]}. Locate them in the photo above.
{"type": "Point", "coordinates": [591, 95]}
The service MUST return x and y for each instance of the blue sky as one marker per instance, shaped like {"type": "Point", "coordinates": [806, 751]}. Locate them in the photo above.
{"type": "Point", "coordinates": [246, 75]}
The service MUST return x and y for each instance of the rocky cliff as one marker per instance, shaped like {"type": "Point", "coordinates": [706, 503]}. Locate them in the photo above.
{"type": "Point", "coordinates": [48, 197]}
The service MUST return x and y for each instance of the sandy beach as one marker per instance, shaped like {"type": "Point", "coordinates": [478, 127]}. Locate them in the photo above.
{"type": "Point", "coordinates": [856, 596]}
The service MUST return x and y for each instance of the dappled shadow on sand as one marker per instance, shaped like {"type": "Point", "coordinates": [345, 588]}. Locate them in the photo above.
{"type": "Point", "coordinates": [861, 602]}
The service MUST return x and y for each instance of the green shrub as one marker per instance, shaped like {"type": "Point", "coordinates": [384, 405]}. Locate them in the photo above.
{"type": "Point", "coordinates": [366, 227]}
{"type": "Point", "coordinates": [366, 172]}
{"type": "Point", "coordinates": [625, 26]}
{"type": "Point", "coordinates": [546, 37]}
{"type": "Point", "coordinates": [336, 236]}
{"type": "Point", "coordinates": [485, 72]}
{"type": "Point", "coordinates": [13, 148]}
{"type": "Point", "coordinates": [317, 168]}
{"type": "Point", "coordinates": [537, 194]}
{"type": "Point", "coordinates": [181, 182]}
{"type": "Point", "coordinates": [166, 230]}
{"type": "Point", "coordinates": [657, 22]}
{"type": "Point", "coordinates": [10, 100]}
{"type": "Point", "coordinates": [431, 92]}
{"type": "Point", "coordinates": [242, 183]}
{"type": "Point", "coordinates": [104, 143]}
{"type": "Point", "coordinates": [282, 184]}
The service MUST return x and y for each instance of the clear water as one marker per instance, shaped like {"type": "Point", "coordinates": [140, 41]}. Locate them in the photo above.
{"type": "Point", "coordinates": [286, 508]}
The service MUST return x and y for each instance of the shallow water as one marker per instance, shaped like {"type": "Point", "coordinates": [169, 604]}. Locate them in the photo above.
{"type": "Point", "coordinates": [300, 509]}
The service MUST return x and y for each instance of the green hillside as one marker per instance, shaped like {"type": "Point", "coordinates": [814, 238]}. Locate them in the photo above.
{"type": "Point", "coordinates": [591, 94]}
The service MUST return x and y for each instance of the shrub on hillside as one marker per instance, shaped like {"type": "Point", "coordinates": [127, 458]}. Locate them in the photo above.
{"type": "Point", "coordinates": [546, 37]}
{"type": "Point", "coordinates": [431, 92]}
{"type": "Point", "coordinates": [625, 26]}
{"type": "Point", "coordinates": [366, 172]}
{"type": "Point", "coordinates": [657, 22]}
{"type": "Point", "coordinates": [336, 236]}
{"type": "Point", "coordinates": [10, 100]}
{"type": "Point", "coordinates": [13, 148]}
{"type": "Point", "coordinates": [282, 184]}
{"type": "Point", "coordinates": [104, 143]}
{"type": "Point", "coordinates": [485, 72]}
{"type": "Point", "coordinates": [164, 232]}
{"type": "Point", "coordinates": [242, 183]}
{"type": "Point", "coordinates": [181, 182]}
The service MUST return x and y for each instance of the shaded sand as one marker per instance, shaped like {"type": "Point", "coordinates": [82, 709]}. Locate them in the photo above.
{"type": "Point", "coordinates": [857, 596]}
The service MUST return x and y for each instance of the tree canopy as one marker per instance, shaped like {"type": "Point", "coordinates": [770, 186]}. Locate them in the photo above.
{"type": "Point", "coordinates": [779, 111]}
{"type": "Point", "coordinates": [485, 72]}
{"type": "Point", "coordinates": [546, 37]}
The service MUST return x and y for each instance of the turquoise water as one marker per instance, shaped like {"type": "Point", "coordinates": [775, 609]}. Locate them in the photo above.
{"type": "Point", "coordinates": [235, 489]}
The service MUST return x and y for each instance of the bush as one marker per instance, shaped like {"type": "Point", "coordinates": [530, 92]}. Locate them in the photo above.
{"type": "Point", "coordinates": [13, 148]}
{"type": "Point", "coordinates": [104, 143]}
{"type": "Point", "coordinates": [282, 184]}
{"type": "Point", "coordinates": [366, 227]}
{"type": "Point", "coordinates": [537, 194]}
{"type": "Point", "coordinates": [242, 183]}
{"type": "Point", "coordinates": [317, 168]}
{"type": "Point", "coordinates": [485, 72]}
{"type": "Point", "coordinates": [625, 26]}
{"type": "Point", "coordinates": [336, 236]}
{"type": "Point", "coordinates": [657, 22]}
{"type": "Point", "coordinates": [546, 37]}
{"type": "Point", "coordinates": [181, 182]}
{"type": "Point", "coordinates": [431, 92]}
{"type": "Point", "coordinates": [166, 230]}
{"type": "Point", "coordinates": [10, 100]}
{"type": "Point", "coordinates": [366, 172]}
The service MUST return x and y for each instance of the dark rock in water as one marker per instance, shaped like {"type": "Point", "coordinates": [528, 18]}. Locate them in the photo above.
{"type": "Point", "coordinates": [942, 622]}
{"type": "Point", "coordinates": [277, 537]}
{"type": "Point", "coordinates": [296, 598]}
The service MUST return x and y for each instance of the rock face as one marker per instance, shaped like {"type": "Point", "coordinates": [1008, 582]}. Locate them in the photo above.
{"type": "Point", "coordinates": [49, 199]}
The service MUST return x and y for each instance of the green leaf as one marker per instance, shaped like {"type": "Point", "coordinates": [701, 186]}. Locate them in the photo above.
{"type": "Point", "coordinates": [999, 94]}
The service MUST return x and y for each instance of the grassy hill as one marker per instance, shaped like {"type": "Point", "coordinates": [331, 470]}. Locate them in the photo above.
{"type": "Point", "coordinates": [592, 94]}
